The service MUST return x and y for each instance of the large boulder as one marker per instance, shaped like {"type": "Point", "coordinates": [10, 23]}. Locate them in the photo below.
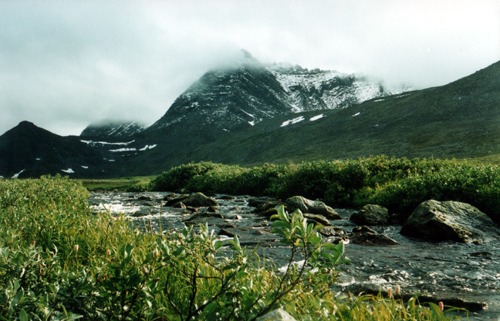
{"type": "Point", "coordinates": [371, 214]}
{"type": "Point", "coordinates": [192, 200]}
{"type": "Point", "coordinates": [450, 221]}
{"type": "Point", "coordinates": [308, 206]}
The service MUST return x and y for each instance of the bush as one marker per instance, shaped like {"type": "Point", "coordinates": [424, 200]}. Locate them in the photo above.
{"type": "Point", "coordinates": [400, 184]}
{"type": "Point", "coordinates": [58, 261]}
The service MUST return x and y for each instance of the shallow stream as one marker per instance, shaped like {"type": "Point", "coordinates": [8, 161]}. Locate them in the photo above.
{"type": "Point", "coordinates": [441, 270]}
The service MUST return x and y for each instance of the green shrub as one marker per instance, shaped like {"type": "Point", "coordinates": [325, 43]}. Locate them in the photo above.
{"type": "Point", "coordinates": [397, 183]}
{"type": "Point", "coordinates": [179, 177]}
{"type": "Point", "coordinates": [58, 261]}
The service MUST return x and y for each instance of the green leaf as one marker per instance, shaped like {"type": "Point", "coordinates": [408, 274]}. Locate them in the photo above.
{"type": "Point", "coordinates": [23, 315]}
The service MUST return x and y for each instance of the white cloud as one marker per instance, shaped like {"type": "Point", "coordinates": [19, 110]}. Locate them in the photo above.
{"type": "Point", "coordinates": [66, 64]}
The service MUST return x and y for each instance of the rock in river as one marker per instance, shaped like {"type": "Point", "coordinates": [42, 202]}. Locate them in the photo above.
{"type": "Point", "coordinates": [371, 214]}
{"type": "Point", "coordinates": [450, 221]}
{"type": "Point", "coordinates": [193, 200]}
{"type": "Point", "coordinates": [308, 206]}
{"type": "Point", "coordinates": [364, 235]}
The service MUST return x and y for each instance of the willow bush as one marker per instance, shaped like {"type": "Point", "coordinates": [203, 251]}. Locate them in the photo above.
{"type": "Point", "coordinates": [399, 184]}
{"type": "Point", "coordinates": [59, 261]}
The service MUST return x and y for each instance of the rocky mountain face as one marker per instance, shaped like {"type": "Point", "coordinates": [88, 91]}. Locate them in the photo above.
{"type": "Point", "coordinates": [309, 90]}
{"type": "Point", "coordinates": [249, 113]}
{"type": "Point", "coordinates": [112, 130]}
{"type": "Point", "coordinates": [248, 92]}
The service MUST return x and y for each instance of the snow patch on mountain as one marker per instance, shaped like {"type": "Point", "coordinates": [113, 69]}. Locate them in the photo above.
{"type": "Point", "coordinates": [147, 147]}
{"type": "Point", "coordinates": [121, 150]}
{"type": "Point", "coordinates": [16, 175]}
{"type": "Point", "coordinates": [317, 89]}
{"type": "Point", "coordinates": [314, 118]}
{"type": "Point", "coordinates": [112, 129]}
{"type": "Point", "coordinates": [292, 121]}
{"type": "Point", "coordinates": [102, 143]}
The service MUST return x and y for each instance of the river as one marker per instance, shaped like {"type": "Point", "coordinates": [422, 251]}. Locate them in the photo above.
{"type": "Point", "coordinates": [468, 272]}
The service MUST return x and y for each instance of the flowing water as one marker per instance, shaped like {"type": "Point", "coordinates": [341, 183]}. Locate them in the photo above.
{"type": "Point", "coordinates": [440, 270]}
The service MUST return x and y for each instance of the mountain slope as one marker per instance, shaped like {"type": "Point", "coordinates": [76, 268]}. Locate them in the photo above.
{"type": "Point", "coordinates": [316, 89]}
{"type": "Point", "coordinates": [227, 98]}
{"type": "Point", "coordinates": [112, 130]}
{"type": "Point", "coordinates": [30, 151]}
{"type": "Point", "coordinates": [461, 119]}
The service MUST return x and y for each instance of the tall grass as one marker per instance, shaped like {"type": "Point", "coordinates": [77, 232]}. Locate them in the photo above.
{"type": "Point", "coordinates": [59, 261]}
{"type": "Point", "coordinates": [399, 184]}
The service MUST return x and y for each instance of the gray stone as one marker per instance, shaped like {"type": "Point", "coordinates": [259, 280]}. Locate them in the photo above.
{"type": "Point", "coordinates": [318, 219]}
{"type": "Point", "coordinates": [371, 214]}
{"type": "Point", "coordinates": [364, 235]}
{"type": "Point", "coordinates": [308, 206]}
{"type": "Point", "coordinates": [193, 200]}
{"type": "Point", "coordinates": [276, 315]}
{"type": "Point", "coordinates": [450, 221]}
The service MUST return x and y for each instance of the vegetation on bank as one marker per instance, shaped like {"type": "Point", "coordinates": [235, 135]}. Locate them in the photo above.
{"type": "Point", "coordinates": [399, 184]}
{"type": "Point", "coordinates": [59, 261]}
{"type": "Point", "coordinates": [130, 184]}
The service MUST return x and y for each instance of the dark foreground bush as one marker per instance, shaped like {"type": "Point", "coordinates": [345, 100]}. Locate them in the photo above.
{"type": "Point", "coordinates": [58, 261]}
{"type": "Point", "coordinates": [399, 184]}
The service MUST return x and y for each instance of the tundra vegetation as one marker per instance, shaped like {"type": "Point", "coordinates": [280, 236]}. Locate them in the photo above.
{"type": "Point", "coordinates": [59, 261]}
{"type": "Point", "coordinates": [400, 184]}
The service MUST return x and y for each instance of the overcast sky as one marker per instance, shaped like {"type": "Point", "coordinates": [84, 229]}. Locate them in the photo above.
{"type": "Point", "coordinates": [65, 64]}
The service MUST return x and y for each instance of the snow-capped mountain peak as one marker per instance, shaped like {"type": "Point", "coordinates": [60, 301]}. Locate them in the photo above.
{"type": "Point", "coordinates": [244, 92]}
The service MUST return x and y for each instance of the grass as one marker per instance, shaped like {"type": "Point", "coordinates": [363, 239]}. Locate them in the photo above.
{"type": "Point", "coordinates": [137, 183]}
{"type": "Point", "coordinates": [58, 261]}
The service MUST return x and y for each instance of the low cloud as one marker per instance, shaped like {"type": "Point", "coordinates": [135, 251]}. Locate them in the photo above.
{"type": "Point", "coordinates": [67, 64]}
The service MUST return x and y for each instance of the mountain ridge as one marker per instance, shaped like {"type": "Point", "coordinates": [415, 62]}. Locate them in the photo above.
{"type": "Point", "coordinates": [256, 121]}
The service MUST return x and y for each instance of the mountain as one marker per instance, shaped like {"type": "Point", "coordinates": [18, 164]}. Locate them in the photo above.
{"type": "Point", "coordinates": [460, 119]}
{"type": "Point", "coordinates": [250, 113]}
{"type": "Point", "coordinates": [30, 151]}
{"type": "Point", "coordinates": [239, 97]}
{"type": "Point", "coordinates": [247, 92]}
{"type": "Point", "coordinates": [112, 130]}
{"type": "Point", "coordinates": [316, 89]}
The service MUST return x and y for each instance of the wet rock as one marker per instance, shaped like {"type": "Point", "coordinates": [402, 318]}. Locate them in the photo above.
{"type": "Point", "coordinates": [371, 214]}
{"type": "Point", "coordinates": [331, 231]}
{"type": "Point", "coordinates": [318, 219]}
{"type": "Point", "coordinates": [364, 235]}
{"type": "Point", "coordinates": [308, 206]}
{"type": "Point", "coordinates": [179, 205]}
{"type": "Point", "coordinates": [276, 315]}
{"type": "Point", "coordinates": [212, 209]}
{"type": "Point", "coordinates": [264, 206]}
{"type": "Point", "coordinates": [204, 215]}
{"type": "Point", "coordinates": [226, 232]}
{"type": "Point", "coordinates": [472, 306]}
{"type": "Point", "coordinates": [450, 221]}
{"type": "Point", "coordinates": [194, 200]}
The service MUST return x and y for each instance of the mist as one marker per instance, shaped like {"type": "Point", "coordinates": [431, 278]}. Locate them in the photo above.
{"type": "Point", "coordinates": [65, 65]}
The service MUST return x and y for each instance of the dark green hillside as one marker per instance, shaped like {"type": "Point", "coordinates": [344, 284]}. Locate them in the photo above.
{"type": "Point", "coordinates": [461, 120]}
{"type": "Point", "coordinates": [36, 151]}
